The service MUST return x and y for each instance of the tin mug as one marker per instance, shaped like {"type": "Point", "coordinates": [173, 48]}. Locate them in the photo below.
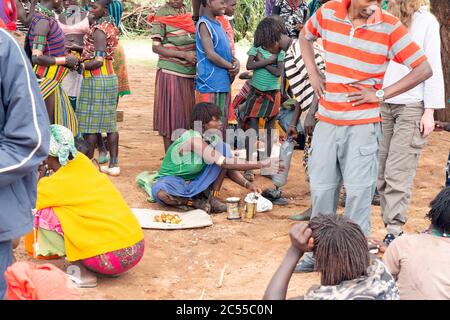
{"type": "Point", "coordinates": [233, 208]}
{"type": "Point", "coordinates": [250, 210]}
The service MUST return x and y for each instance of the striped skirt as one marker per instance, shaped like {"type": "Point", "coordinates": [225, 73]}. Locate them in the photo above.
{"type": "Point", "coordinates": [174, 99]}
{"type": "Point", "coordinates": [96, 105]}
{"type": "Point", "coordinates": [63, 111]}
{"type": "Point", "coordinates": [260, 104]}
{"type": "Point", "coordinates": [120, 69]}
{"type": "Point", "coordinates": [240, 98]}
{"type": "Point", "coordinates": [221, 99]}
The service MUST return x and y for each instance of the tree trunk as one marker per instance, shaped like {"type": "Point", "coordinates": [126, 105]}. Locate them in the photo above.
{"type": "Point", "coordinates": [441, 9]}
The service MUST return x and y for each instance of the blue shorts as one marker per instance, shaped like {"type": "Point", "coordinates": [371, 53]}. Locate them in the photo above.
{"type": "Point", "coordinates": [5, 261]}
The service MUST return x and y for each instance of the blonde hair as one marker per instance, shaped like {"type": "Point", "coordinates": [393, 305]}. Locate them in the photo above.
{"type": "Point", "coordinates": [404, 9]}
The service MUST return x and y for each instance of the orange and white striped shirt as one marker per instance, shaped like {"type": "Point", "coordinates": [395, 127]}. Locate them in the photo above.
{"type": "Point", "coordinates": [357, 56]}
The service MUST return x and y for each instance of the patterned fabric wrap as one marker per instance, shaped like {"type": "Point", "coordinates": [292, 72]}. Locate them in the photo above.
{"type": "Point", "coordinates": [222, 99]}
{"type": "Point", "coordinates": [112, 35]}
{"type": "Point", "coordinates": [116, 262]}
{"type": "Point", "coordinates": [55, 45]}
{"type": "Point", "coordinates": [120, 69]}
{"type": "Point", "coordinates": [378, 284]}
{"type": "Point", "coordinates": [107, 69]}
{"type": "Point", "coordinates": [100, 53]}
{"type": "Point", "coordinates": [39, 43]}
{"type": "Point", "coordinates": [173, 38]}
{"type": "Point", "coordinates": [239, 99]}
{"type": "Point", "coordinates": [50, 83]}
{"type": "Point", "coordinates": [96, 105]}
{"type": "Point", "coordinates": [260, 104]}
{"type": "Point", "coordinates": [174, 99]}
{"type": "Point", "coordinates": [62, 144]}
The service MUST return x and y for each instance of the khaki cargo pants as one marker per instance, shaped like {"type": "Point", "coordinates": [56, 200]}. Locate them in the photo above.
{"type": "Point", "coordinates": [348, 155]}
{"type": "Point", "coordinates": [400, 150]}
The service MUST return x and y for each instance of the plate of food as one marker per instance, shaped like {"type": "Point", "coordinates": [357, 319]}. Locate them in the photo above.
{"type": "Point", "coordinates": [167, 220]}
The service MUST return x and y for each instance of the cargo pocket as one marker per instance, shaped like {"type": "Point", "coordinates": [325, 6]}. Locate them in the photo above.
{"type": "Point", "coordinates": [368, 150]}
{"type": "Point", "coordinates": [363, 170]}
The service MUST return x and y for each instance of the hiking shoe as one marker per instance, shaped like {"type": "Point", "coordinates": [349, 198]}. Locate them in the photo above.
{"type": "Point", "coordinates": [389, 238]}
{"type": "Point", "coordinates": [306, 265]}
{"type": "Point", "coordinates": [280, 202]}
{"type": "Point", "coordinates": [376, 200]}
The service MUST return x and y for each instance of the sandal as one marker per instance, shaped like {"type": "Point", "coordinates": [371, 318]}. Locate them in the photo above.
{"type": "Point", "coordinates": [249, 175]}
{"type": "Point", "coordinates": [200, 204]}
{"type": "Point", "coordinates": [217, 206]}
{"type": "Point", "coordinates": [114, 171]}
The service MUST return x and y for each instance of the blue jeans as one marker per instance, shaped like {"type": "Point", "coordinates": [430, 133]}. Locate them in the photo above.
{"type": "Point", "coordinates": [5, 261]}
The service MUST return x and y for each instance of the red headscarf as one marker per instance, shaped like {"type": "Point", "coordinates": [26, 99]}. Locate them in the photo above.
{"type": "Point", "coordinates": [182, 21]}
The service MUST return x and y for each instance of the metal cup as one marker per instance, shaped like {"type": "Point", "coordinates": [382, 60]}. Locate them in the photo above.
{"type": "Point", "coordinates": [250, 209]}
{"type": "Point", "coordinates": [233, 208]}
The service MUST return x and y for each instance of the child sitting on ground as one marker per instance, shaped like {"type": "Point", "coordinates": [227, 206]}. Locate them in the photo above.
{"type": "Point", "coordinates": [420, 262]}
{"type": "Point", "coordinates": [266, 58]}
{"type": "Point", "coordinates": [347, 270]}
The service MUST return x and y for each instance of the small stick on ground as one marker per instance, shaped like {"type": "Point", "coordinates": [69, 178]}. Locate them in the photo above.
{"type": "Point", "coordinates": [222, 274]}
{"type": "Point", "coordinates": [201, 296]}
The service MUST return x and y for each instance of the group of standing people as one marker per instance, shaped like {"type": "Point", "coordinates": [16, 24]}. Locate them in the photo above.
{"type": "Point", "coordinates": [370, 81]}
{"type": "Point", "coordinates": [43, 125]}
{"type": "Point", "coordinates": [80, 66]}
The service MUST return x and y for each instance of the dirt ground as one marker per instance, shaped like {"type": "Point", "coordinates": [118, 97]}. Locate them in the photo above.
{"type": "Point", "coordinates": [187, 264]}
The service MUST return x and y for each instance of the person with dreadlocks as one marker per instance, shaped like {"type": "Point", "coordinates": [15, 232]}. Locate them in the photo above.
{"type": "Point", "coordinates": [266, 58]}
{"type": "Point", "coordinates": [96, 108]}
{"type": "Point", "coordinates": [420, 262]}
{"type": "Point", "coordinates": [347, 270]}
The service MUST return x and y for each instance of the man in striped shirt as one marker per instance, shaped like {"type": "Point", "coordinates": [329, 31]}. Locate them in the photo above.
{"type": "Point", "coordinates": [359, 39]}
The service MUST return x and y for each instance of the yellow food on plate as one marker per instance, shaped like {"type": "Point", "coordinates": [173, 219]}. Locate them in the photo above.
{"type": "Point", "coordinates": [168, 218]}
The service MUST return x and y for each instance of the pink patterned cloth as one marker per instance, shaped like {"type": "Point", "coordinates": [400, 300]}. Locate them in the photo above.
{"type": "Point", "coordinates": [47, 220]}
{"type": "Point", "coordinates": [116, 262]}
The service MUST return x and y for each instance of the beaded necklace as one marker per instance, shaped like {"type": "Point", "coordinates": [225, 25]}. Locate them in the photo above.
{"type": "Point", "coordinates": [104, 19]}
{"type": "Point", "coordinates": [46, 12]}
{"type": "Point", "coordinates": [437, 233]}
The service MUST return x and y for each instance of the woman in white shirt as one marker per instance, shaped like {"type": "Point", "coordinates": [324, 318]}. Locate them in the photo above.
{"type": "Point", "coordinates": [408, 118]}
